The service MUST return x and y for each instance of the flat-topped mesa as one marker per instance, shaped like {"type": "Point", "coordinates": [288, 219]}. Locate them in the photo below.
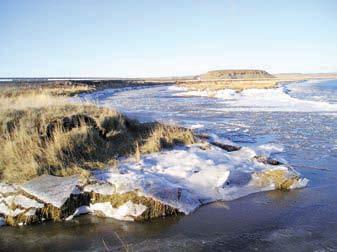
{"type": "Point", "coordinates": [236, 74]}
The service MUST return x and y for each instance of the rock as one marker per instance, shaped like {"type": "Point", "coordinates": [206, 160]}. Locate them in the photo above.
{"type": "Point", "coordinates": [226, 147]}
{"type": "Point", "coordinates": [267, 160]}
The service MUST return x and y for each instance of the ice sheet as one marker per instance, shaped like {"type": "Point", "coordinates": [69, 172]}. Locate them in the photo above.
{"type": "Point", "coordinates": [263, 100]}
{"type": "Point", "coordinates": [186, 178]}
{"type": "Point", "coordinates": [51, 189]}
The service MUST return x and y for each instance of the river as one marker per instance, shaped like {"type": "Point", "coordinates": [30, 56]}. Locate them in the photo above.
{"type": "Point", "coordinates": [300, 117]}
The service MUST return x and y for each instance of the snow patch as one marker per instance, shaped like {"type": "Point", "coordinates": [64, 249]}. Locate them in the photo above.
{"type": "Point", "coordinates": [128, 211]}
{"type": "Point", "coordinates": [103, 189]}
{"type": "Point", "coordinates": [79, 211]}
{"type": "Point", "coordinates": [186, 178]}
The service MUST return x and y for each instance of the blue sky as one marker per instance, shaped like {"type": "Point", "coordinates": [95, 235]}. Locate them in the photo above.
{"type": "Point", "coordinates": [165, 38]}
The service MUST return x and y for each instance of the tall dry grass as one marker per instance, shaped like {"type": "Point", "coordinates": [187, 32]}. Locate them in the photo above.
{"type": "Point", "coordinates": [238, 85]}
{"type": "Point", "coordinates": [41, 133]}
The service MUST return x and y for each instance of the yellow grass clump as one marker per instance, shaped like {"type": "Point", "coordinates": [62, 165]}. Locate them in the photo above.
{"type": "Point", "coordinates": [41, 133]}
{"type": "Point", "coordinates": [282, 179]}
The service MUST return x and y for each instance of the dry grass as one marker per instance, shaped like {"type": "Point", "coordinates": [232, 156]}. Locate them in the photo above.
{"type": "Point", "coordinates": [238, 85]}
{"type": "Point", "coordinates": [41, 133]}
{"type": "Point", "coordinates": [54, 89]}
{"type": "Point", "coordinates": [282, 179]}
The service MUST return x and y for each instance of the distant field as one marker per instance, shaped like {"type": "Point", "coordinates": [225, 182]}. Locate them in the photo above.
{"type": "Point", "coordinates": [213, 80]}
{"type": "Point", "coordinates": [251, 79]}
{"type": "Point", "coordinates": [238, 85]}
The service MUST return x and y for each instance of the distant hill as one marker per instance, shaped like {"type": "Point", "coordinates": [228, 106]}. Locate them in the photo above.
{"type": "Point", "coordinates": [236, 74]}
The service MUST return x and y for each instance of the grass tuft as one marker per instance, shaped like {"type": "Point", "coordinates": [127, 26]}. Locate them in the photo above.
{"type": "Point", "coordinates": [46, 134]}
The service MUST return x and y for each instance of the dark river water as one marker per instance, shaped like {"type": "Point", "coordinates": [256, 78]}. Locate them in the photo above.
{"type": "Point", "coordinates": [302, 117]}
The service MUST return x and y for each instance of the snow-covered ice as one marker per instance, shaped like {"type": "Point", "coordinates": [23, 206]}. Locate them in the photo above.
{"type": "Point", "coordinates": [7, 188]}
{"type": "Point", "coordinates": [6, 211]}
{"type": "Point", "coordinates": [22, 201]}
{"type": "Point", "coordinates": [51, 189]}
{"type": "Point", "coordinates": [103, 189]}
{"type": "Point", "coordinates": [186, 178]}
{"type": "Point", "coordinates": [263, 100]}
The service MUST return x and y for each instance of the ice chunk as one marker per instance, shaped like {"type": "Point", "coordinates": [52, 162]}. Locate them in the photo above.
{"type": "Point", "coordinates": [186, 178]}
{"type": "Point", "coordinates": [79, 211]}
{"type": "Point", "coordinates": [30, 212]}
{"type": "Point", "coordinates": [128, 211]}
{"type": "Point", "coordinates": [268, 149]}
{"type": "Point", "coordinates": [51, 189]}
{"type": "Point", "coordinates": [303, 182]}
{"type": "Point", "coordinates": [22, 201]}
{"type": "Point", "coordinates": [7, 188]}
{"type": "Point", "coordinates": [6, 211]}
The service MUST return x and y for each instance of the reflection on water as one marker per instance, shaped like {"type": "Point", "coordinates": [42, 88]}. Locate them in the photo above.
{"type": "Point", "coordinates": [299, 220]}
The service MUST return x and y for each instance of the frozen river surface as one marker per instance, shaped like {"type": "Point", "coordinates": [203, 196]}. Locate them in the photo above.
{"type": "Point", "coordinates": [300, 117]}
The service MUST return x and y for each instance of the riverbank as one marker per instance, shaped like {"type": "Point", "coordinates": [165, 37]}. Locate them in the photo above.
{"type": "Point", "coordinates": [274, 220]}
{"type": "Point", "coordinates": [61, 159]}
{"type": "Point", "coordinates": [44, 134]}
